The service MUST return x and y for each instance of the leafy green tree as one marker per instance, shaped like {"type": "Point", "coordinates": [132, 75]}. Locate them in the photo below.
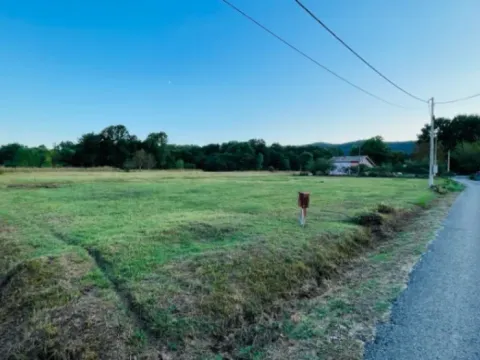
{"type": "Point", "coordinates": [8, 154]}
{"type": "Point", "coordinates": [285, 164]}
{"type": "Point", "coordinates": [63, 154]}
{"type": "Point", "coordinates": [375, 148]}
{"type": "Point", "coordinates": [322, 166]}
{"type": "Point", "coordinates": [89, 152]}
{"type": "Point", "coordinates": [305, 159]}
{"type": "Point", "coordinates": [259, 161]}
{"type": "Point", "coordinates": [467, 157]}
{"type": "Point", "coordinates": [114, 145]}
{"type": "Point", "coordinates": [398, 157]}
{"type": "Point", "coordinates": [157, 145]}
{"type": "Point", "coordinates": [180, 164]}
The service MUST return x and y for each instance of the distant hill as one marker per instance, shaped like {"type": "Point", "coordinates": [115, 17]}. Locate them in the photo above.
{"type": "Point", "coordinates": [404, 146]}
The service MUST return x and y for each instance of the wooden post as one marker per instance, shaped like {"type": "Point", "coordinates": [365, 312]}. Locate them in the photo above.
{"type": "Point", "coordinates": [303, 203]}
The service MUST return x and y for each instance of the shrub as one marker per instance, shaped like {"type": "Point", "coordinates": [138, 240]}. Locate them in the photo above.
{"type": "Point", "coordinates": [369, 219]}
{"type": "Point", "coordinates": [385, 209]}
{"type": "Point", "coordinates": [321, 166]}
{"type": "Point", "coordinates": [439, 189]}
{"type": "Point", "coordinates": [453, 186]}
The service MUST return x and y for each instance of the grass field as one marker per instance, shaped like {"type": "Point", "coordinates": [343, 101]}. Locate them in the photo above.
{"type": "Point", "coordinates": [112, 264]}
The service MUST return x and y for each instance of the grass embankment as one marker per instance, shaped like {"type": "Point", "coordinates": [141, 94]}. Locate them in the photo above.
{"type": "Point", "coordinates": [190, 265]}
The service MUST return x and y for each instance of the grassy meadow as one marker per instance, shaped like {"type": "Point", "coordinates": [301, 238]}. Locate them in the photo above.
{"type": "Point", "coordinates": [189, 264]}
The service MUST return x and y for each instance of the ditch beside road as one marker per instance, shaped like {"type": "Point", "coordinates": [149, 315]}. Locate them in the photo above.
{"type": "Point", "coordinates": [437, 316]}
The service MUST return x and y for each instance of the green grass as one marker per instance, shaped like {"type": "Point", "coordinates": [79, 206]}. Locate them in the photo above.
{"type": "Point", "coordinates": [190, 254]}
{"type": "Point", "coordinates": [335, 324]}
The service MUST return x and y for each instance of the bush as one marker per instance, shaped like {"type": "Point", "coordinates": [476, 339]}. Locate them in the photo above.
{"type": "Point", "coordinates": [271, 168]}
{"type": "Point", "coordinates": [413, 167]}
{"type": "Point", "coordinates": [385, 209]}
{"type": "Point", "coordinates": [439, 189]}
{"type": "Point", "coordinates": [321, 166]}
{"type": "Point", "coordinates": [368, 219]}
{"type": "Point", "coordinates": [453, 186]}
{"type": "Point", "coordinates": [129, 165]}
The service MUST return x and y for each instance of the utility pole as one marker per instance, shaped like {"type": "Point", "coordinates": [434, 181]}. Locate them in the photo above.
{"type": "Point", "coordinates": [448, 161]}
{"type": "Point", "coordinates": [435, 158]}
{"type": "Point", "coordinates": [359, 155]}
{"type": "Point", "coordinates": [432, 142]}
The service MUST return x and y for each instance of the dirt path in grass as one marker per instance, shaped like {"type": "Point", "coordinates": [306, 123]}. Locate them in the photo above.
{"type": "Point", "coordinates": [437, 316]}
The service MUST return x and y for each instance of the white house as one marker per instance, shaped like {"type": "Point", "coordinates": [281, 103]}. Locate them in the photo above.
{"type": "Point", "coordinates": [343, 164]}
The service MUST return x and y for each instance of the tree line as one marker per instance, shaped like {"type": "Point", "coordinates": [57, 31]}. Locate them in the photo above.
{"type": "Point", "coordinates": [459, 136]}
{"type": "Point", "coordinates": [114, 146]}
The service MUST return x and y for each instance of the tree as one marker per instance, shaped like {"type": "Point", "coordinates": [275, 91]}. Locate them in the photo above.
{"type": "Point", "coordinates": [89, 150]}
{"type": "Point", "coordinates": [285, 164]}
{"type": "Point", "coordinates": [8, 153]}
{"type": "Point", "coordinates": [375, 148]}
{"type": "Point", "coordinates": [305, 158]}
{"type": "Point", "coordinates": [259, 161]}
{"type": "Point", "coordinates": [115, 141]}
{"type": "Point", "coordinates": [322, 166]}
{"type": "Point", "coordinates": [398, 157]}
{"type": "Point", "coordinates": [466, 157]}
{"type": "Point", "coordinates": [179, 164]}
{"type": "Point", "coordinates": [63, 154]}
{"type": "Point", "coordinates": [139, 159]}
{"type": "Point", "coordinates": [157, 145]}
{"type": "Point", "coordinates": [150, 162]}
{"type": "Point", "coordinates": [463, 128]}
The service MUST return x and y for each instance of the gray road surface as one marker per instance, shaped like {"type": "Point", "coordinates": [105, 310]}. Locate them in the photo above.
{"type": "Point", "coordinates": [438, 315]}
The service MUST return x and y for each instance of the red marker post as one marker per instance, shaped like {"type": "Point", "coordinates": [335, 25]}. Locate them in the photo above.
{"type": "Point", "coordinates": [303, 203]}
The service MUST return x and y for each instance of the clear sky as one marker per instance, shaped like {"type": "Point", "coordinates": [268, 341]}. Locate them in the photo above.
{"type": "Point", "coordinates": [202, 73]}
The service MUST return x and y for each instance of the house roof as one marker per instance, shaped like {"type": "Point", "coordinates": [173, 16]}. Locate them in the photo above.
{"type": "Point", "coordinates": [352, 159]}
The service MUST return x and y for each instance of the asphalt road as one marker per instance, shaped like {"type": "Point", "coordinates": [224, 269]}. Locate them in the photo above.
{"type": "Point", "coordinates": [438, 315]}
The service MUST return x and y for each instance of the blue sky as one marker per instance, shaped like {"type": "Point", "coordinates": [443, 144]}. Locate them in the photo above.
{"type": "Point", "coordinates": [202, 73]}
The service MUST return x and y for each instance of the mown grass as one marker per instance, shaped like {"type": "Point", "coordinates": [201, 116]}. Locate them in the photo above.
{"type": "Point", "coordinates": [200, 263]}
{"type": "Point", "coordinates": [336, 324]}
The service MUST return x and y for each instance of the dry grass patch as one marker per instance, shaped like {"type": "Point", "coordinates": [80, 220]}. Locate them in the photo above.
{"type": "Point", "coordinates": [34, 185]}
{"type": "Point", "coordinates": [51, 311]}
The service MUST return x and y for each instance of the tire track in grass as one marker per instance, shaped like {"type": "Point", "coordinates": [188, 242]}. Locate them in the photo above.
{"type": "Point", "coordinates": [135, 311]}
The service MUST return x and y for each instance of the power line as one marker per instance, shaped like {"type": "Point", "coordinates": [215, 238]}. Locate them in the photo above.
{"type": "Point", "coordinates": [310, 58]}
{"type": "Point", "coordinates": [457, 100]}
{"type": "Point", "coordinates": [358, 55]}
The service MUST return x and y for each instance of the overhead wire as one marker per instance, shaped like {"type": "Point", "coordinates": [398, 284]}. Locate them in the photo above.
{"type": "Point", "coordinates": [457, 100]}
{"type": "Point", "coordinates": [308, 11]}
{"type": "Point", "coordinates": [310, 58]}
